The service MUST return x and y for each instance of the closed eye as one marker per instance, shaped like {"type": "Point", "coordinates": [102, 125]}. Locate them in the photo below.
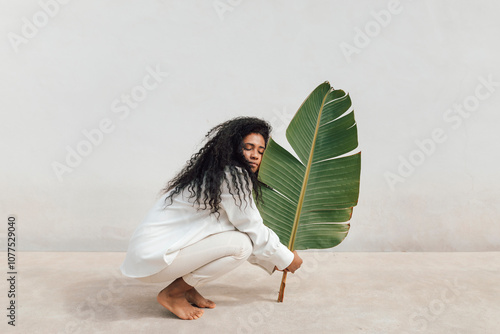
{"type": "Point", "coordinates": [249, 147]}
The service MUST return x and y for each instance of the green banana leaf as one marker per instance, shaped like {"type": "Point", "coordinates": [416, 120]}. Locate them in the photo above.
{"type": "Point", "coordinates": [307, 202]}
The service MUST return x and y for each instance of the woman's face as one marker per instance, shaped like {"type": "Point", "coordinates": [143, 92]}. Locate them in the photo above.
{"type": "Point", "coordinates": [253, 149]}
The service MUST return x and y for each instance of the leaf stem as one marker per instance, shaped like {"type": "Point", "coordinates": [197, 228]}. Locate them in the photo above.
{"type": "Point", "coordinates": [282, 288]}
{"type": "Point", "coordinates": [291, 243]}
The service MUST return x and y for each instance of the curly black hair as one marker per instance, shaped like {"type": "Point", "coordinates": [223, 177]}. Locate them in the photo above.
{"type": "Point", "coordinates": [204, 173]}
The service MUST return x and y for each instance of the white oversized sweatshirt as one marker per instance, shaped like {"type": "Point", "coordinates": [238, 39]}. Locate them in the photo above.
{"type": "Point", "coordinates": [163, 232]}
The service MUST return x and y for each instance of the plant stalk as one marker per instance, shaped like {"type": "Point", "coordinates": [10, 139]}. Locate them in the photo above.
{"type": "Point", "coordinates": [282, 288]}
{"type": "Point", "coordinates": [291, 243]}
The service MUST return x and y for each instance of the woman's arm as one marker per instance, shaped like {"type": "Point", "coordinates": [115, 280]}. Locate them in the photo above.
{"type": "Point", "coordinates": [246, 218]}
{"type": "Point", "coordinates": [296, 263]}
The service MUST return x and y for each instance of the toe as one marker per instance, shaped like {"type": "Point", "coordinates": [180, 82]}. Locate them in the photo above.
{"type": "Point", "coordinates": [197, 314]}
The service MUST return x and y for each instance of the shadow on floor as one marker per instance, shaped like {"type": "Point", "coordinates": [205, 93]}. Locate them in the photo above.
{"type": "Point", "coordinates": [116, 299]}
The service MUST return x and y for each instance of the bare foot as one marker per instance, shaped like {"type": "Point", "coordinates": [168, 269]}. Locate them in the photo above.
{"type": "Point", "coordinates": [173, 299]}
{"type": "Point", "coordinates": [194, 297]}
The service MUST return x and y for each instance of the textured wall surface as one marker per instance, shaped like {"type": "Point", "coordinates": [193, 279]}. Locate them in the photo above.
{"type": "Point", "coordinates": [102, 102]}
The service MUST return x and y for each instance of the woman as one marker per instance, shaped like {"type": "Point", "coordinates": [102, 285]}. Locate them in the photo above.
{"type": "Point", "coordinates": [206, 222]}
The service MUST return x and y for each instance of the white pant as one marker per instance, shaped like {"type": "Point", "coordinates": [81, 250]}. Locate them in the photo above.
{"type": "Point", "coordinates": [207, 259]}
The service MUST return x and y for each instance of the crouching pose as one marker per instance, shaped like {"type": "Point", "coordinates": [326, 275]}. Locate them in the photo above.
{"type": "Point", "coordinates": [206, 222]}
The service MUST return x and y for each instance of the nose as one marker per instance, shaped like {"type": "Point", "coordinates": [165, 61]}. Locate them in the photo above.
{"type": "Point", "coordinates": [254, 154]}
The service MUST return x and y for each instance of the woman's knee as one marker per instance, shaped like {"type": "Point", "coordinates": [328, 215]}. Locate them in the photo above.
{"type": "Point", "coordinates": [243, 245]}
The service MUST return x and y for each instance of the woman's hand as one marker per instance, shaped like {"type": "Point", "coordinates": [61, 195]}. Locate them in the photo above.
{"type": "Point", "coordinates": [296, 263]}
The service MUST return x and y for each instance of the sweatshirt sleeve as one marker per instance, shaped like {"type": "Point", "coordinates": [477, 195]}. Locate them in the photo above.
{"type": "Point", "coordinates": [268, 251]}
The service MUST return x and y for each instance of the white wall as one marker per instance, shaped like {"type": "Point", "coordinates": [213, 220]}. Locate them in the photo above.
{"type": "Point", "coordinates": [259, 58]}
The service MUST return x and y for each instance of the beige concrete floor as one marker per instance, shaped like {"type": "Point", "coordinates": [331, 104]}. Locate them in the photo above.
{"type": "Point", "coordinates": [332, 293]}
